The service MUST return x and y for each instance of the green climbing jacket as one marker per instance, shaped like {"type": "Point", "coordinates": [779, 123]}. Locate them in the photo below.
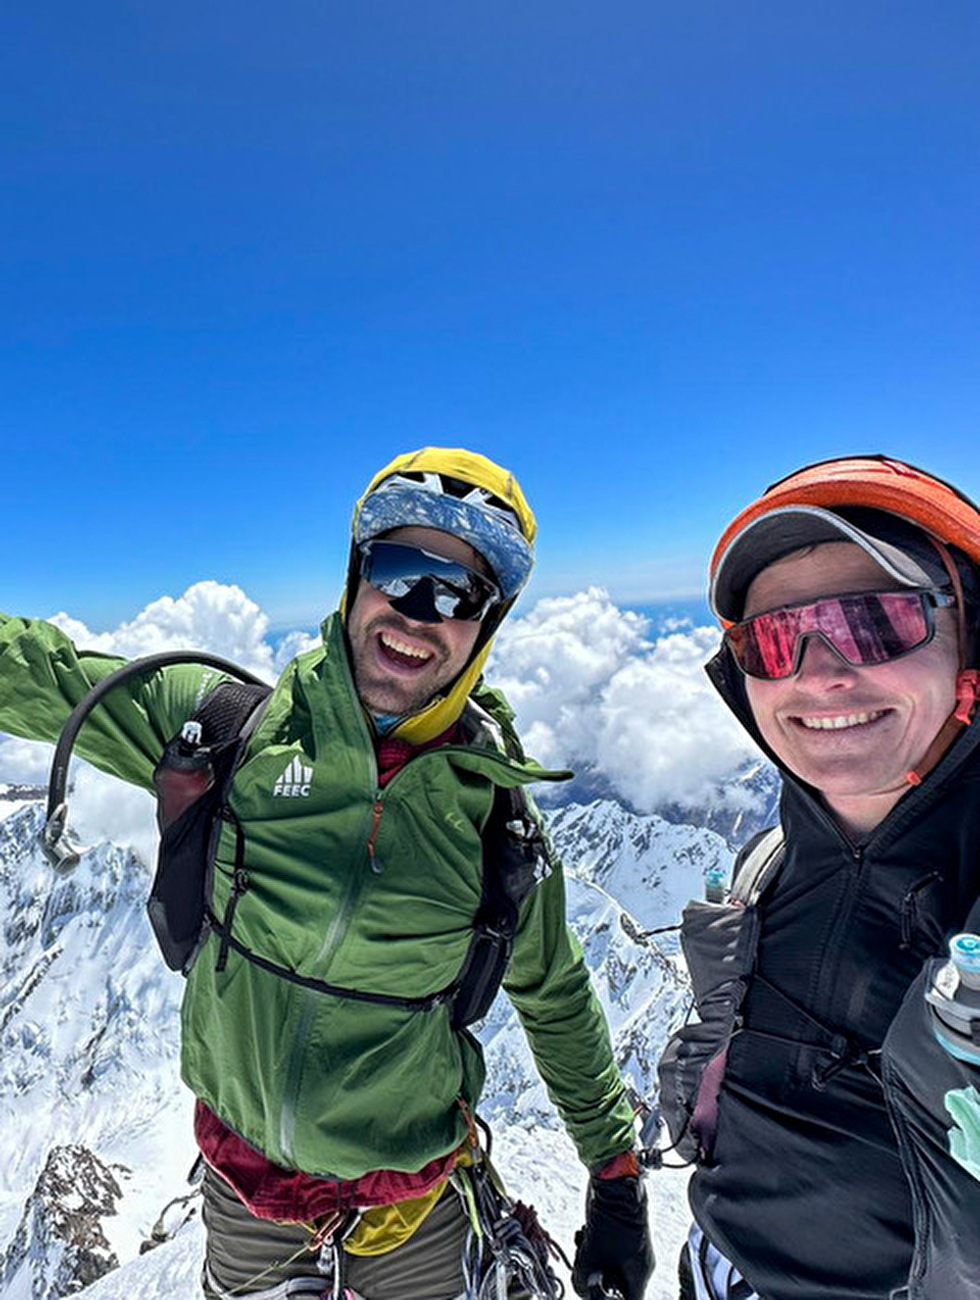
{"type": "Point", "coordinates": [365, 888]}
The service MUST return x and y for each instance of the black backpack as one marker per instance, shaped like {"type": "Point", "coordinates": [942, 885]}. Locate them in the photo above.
{"type": "Point", "coordinates": [193, 779]}
{"type": "Point", "coordinates": [720, 941]}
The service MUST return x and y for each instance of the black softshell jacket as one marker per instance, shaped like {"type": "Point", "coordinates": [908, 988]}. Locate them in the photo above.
{"type": "Point", "coordinates": [808, 1189]}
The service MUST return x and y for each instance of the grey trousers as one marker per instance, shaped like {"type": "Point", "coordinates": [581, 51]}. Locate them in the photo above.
{"type": "Point", "coordinates": [246, 1256]}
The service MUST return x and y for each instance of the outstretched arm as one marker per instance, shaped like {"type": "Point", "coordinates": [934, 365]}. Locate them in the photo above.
{"type": "Point", "coordinates": [43, 675]}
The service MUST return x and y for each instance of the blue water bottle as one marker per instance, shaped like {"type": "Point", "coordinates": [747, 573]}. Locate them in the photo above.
{"type": "Point", "coordinates": [953, 996]}
{"type": "Point", "coordinates": [715, 885]}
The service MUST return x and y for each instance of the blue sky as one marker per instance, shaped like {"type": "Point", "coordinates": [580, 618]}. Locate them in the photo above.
{"type": "Point", "coordinates": [651, 256]}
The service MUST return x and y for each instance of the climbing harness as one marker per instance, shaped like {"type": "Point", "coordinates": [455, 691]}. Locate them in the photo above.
{"type": "Point", "coordinates": [325, 1244]}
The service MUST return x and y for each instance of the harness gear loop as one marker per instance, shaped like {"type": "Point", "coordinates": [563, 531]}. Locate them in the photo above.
{"type": "Point", "coordinates": [333, 1227]}
{"type": "Point", "coordinates": [504, 1241]}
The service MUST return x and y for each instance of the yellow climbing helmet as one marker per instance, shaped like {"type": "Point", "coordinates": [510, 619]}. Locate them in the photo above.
{"type": "Point", "coordinates": [459, 492]}
{"type": "Point", "coordinates": [470, 496]}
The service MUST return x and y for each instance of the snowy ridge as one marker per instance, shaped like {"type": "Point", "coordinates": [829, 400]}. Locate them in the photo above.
{"type": "Point", "coordinates": [88, 1035]}
{"type": "Point", "coordinates": [59, 1244]}
{"type": "Point", "coordinates": [649, 865]}
{"type": "Point", "coordinates": [97, 1138]}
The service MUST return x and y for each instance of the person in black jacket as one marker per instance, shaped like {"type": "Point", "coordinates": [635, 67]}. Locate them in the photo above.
{"type": "Point", "coordinates": [849, 596]}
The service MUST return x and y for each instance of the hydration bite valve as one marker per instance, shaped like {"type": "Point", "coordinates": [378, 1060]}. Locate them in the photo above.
{"type": "Point", "coordinates": [954, 1000]}
{"type": "Point", "coordinates": [192, 733]}
{"type": "Point", "coordinates": [57, 844]}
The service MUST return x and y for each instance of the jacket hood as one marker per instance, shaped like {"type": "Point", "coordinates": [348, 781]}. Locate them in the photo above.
{"type": "Point", "coordinates": [469, 496]}
{"type": "Point", "coordinates": [725, 677]}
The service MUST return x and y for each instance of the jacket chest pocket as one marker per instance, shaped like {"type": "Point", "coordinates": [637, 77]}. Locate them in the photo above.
{"type": "Point", "coordinates": [923, 918]}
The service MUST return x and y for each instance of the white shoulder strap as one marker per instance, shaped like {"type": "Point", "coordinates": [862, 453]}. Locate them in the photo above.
{"type": "Point", "coordinates": [760, 867]}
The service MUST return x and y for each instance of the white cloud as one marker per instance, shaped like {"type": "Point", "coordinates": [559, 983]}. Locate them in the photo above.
{"type": "Point", "coordinates": [24, 762]}
{"type": "Point", "coordinates": [591, 691]}
{"type": "Point", "coordinates": [208, 616]}
{"type": "Point", "coordinates": [100, 807]}
{"type": "Point", "coordinates": [554, 664]}
{"type": "Point", "coordinates": [292, 645]}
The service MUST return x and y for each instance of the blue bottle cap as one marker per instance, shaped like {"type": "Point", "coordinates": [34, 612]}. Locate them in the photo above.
{"type": "Point", "coordinates": [964, 953]}
{"type": "Point", "coordinates": [965, 949]}
{"type": "Point", "coordinates": [715, 884]}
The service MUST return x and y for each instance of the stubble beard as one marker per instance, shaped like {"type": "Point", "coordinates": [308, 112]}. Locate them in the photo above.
{"type": "Point", "coordinates": [382, 692]}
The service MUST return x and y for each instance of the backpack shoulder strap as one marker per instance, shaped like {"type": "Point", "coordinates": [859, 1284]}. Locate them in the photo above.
{"type": "Point", "coordinates": [760, 866]}
{"type": "Point", "coordinates": [55, 841]}
{"type": "Point", "coordinates": [515, 860]}
{"type": "Point", "coordinates": [231, 711]}
{"type": "Point", "coordinates": [515, 852]}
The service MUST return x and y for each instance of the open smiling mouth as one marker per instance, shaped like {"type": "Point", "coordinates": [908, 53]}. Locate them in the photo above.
{"type": "Point", "coordinates": [401, 653]}
{"type": "Point", "coordinates": [842, 722]}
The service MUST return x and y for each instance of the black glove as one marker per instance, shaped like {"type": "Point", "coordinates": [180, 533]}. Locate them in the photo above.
{"type": "Point", "coordinates": [613, 1249]}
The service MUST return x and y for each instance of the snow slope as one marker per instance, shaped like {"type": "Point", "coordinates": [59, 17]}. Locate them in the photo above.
{"type": "Point", "coordinates": [96, 1133]}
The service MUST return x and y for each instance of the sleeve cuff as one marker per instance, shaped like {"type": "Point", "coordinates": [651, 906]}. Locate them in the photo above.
{"type": "Point", "coordinates": [625, 1165]}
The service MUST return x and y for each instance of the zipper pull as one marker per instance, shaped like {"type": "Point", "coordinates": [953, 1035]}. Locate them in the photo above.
{"type": "Point", "coordinates": [910, 907]}
{"type": "Point", "coordinates": [376, 866]}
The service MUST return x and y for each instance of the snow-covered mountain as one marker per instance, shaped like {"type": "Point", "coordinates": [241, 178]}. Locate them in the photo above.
{"type": "Point", "coordinates": [96, 1138]}
{"type": "Point", "coordinates": [88, 1064]}
{"type": "Point", "coordinates": [748, 803]}
{"type": "Point", "coordinates": [649, 865]}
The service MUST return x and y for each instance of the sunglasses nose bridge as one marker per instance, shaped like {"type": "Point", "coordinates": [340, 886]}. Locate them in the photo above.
{"type": "Point", "coordinates": [418, 603]}
{"type": "Point", "coordinates": [807, 654]}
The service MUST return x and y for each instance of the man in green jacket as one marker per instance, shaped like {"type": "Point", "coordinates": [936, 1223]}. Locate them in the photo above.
{"type": "Point", "coordinates": [333, 1088]}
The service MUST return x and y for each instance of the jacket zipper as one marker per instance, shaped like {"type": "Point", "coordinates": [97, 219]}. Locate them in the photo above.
{"type": "Point", "coordinates": [240, 882]}
{"type": "Point", "coordinates": [910, 908]}
{"type": "Point", "coordinates": [829, 971]}
{"type": "Point", "coordinates": [336, 930]}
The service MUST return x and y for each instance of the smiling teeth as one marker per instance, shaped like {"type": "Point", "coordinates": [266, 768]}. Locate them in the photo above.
{"type": "Point", "coordinates": [842, 722]}
{"type": "Point", "coordinates": [412, 651]}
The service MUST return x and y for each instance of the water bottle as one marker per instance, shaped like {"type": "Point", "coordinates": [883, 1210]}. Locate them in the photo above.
{"type": "Point", "coordinates": [954, 999]}
{"type": "Point", "coordinates": [183, 774]}
{"type": "Point", "coordinates": [715, 885]}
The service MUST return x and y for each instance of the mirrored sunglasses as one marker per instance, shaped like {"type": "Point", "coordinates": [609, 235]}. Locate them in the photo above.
{"type": "Point", "coordinates": [865, 628]}
{"type": "Point", "coordinates": [457, 591]}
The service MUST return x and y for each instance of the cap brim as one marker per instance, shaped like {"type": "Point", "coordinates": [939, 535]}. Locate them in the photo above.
{"type": "Point", "coordinates": [777, 534]}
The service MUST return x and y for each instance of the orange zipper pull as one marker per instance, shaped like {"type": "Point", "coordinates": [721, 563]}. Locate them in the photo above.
{"type": "Point", "coordinates": [376, 866]}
